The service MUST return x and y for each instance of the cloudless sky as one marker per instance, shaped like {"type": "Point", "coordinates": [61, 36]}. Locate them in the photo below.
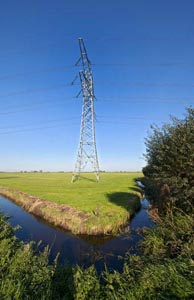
{"type": "Point", "coordinates": [142, 51]}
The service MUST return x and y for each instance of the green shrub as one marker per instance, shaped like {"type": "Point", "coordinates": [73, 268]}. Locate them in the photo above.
{"type": "Point", "coordinates": [170, 163]}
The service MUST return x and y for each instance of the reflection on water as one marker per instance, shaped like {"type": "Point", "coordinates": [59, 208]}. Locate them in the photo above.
{"type": "Point", "coordinates": [73, 249]}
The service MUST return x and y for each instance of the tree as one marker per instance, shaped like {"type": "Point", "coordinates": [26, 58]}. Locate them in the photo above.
{"type": "Point", "coordinates": [170, 162]}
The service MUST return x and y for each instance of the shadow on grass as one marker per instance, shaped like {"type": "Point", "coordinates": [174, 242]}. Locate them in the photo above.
{"type": "Point", "coordinates": [129, 201]}
{"type": "Point", "coordinates": [86, 179]}
{"type": "Point", "coordinates": [11, 177]}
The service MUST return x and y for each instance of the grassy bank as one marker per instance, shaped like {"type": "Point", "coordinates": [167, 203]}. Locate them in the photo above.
{"type": "Point", "coordinates": [83, 207]}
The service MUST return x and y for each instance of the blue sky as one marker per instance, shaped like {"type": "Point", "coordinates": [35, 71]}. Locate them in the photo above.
{"type": "Point", "coordinates": [143, 70]}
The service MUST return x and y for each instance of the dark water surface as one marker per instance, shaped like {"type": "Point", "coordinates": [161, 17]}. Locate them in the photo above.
{"type": "Point", "coordinates": [73, 249]}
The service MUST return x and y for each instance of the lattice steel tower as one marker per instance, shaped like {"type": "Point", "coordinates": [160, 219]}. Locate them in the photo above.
{"type": "Point", "coordinates": [87, 152]}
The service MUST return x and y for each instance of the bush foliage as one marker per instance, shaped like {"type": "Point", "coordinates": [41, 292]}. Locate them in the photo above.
{"type": "Point", "coordinates": [26, 274]}
{"type": "Point", "coordinates": [170, 162]}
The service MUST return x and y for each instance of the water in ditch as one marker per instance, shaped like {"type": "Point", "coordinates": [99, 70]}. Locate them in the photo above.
{"type": "Point", "coordinates": [83, 250]}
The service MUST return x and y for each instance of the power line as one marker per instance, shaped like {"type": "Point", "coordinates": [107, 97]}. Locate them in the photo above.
{"type": "Point", "coordinates": [145, 65]}
{"type": "Point", "coordinates": [42, 122]}
{"type": "Point", "coordinates": [116, 119]}
{"type": "Point", "coordinates": [22, 110]}
{"type": "Point", "coordinates": [126, 100]}
{"type": "Point", "coordinates": [46, 70]}
{"type": "Point", "coordinates": [112, 122]}
{"type": "Point", "coordinates": [125, 65]}
{"type": "Point", "coordinates": [35, 90]}
{"type": "Point", "coordinates": [34, 129]}
{"type": "Point", "coordinates": [36, 46]}
{"type": "Point", "coordinates": [35, 106]}
{"type": "Point", "coordinates": [146, 84]}
{"type": "Point", "coordinates": [135, 84]}
{"type": "Point", "coordinates": [129, 99]}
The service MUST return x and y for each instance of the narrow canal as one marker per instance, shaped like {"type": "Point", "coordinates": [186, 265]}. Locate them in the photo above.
{"type": "Point", "coordinates": [83, 251]}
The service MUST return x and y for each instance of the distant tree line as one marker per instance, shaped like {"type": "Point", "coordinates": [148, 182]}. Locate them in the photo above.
{"type": "Point", "coordinates": [34, 171]}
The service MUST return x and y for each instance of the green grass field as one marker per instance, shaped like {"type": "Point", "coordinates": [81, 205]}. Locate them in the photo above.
{"type": "Point", "coordinates": [109, 203]}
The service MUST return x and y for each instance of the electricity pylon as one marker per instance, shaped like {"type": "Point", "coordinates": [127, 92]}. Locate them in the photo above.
{"type": "Point", "coordinates": [87, 152]}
